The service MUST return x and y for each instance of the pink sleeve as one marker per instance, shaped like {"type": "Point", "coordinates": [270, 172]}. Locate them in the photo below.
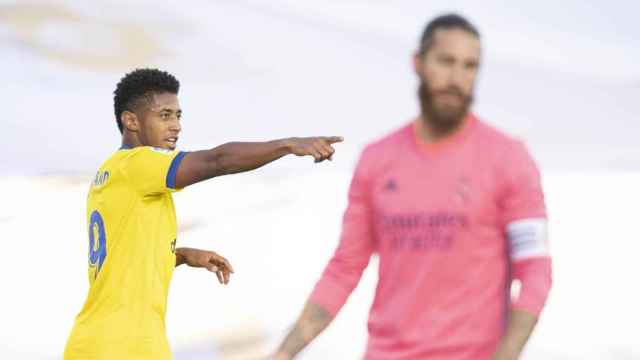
{"type": "Point", "coordinates": [344, 270]}
{"type": "Point", "coordinates": [522, 195]}
{"type": "Point", "coordinates": [525, 219]}
{"type": "Point", "coordinates": [535, 278]}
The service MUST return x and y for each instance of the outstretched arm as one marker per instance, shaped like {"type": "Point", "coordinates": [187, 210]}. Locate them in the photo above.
{"type": "Point", "coordinates": [313, 320]}
{"type": "Point", "coordinates": [236, 157]}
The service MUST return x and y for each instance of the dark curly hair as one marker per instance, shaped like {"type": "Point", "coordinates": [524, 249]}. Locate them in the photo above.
{"type": "Point", "coordinates": [137, 86]}
{"type": "Point", "coordinates": [446, 21]}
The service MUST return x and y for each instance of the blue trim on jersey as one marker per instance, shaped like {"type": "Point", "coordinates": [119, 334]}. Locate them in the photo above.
{"type": "Point", "coordinates": [173, 170]}
{"type": "Point", "coordinates": [126, 147]}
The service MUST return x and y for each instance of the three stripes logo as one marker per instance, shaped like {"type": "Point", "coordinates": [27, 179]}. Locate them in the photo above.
{"type": "Point", "coordinates": [390, 185]}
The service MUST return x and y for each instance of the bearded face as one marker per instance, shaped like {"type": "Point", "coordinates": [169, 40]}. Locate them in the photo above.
{"type": "Point", "coordinates": [445, 109]}
{"type": "Point", "coordinates": [447, 70]}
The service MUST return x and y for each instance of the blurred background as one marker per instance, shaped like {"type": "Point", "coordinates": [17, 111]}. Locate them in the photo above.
{"type": "Point", "coordinates": [563, 76]}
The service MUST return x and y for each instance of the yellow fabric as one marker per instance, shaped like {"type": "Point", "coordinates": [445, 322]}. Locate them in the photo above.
{"type": "Point", "coordinates": [132, 232]}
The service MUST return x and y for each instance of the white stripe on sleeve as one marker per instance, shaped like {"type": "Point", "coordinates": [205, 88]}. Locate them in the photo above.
{"type": "Point", "coordinates": [528, 238]}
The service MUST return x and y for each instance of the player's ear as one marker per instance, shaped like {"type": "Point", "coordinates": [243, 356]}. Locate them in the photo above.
{"type": "Point", "coordinates": [418, 59]}
{"type": "Point", "coordinates": [130, 121]}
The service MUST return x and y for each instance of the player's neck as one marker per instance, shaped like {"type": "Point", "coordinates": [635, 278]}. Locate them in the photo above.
{"type": "Point", "coordinates": [129, 140]}
{"type": "Point", "coordinates": [429, 134]}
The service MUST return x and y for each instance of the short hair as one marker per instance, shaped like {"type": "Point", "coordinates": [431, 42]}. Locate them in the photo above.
{"type": "Point", "coordinates": [446, 21]}
{"type": "Point", "coordinates": [137, 86]}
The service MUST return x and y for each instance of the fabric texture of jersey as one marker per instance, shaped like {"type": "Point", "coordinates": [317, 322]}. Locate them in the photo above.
{"type": "Point", "coordinates": [131, 236]}
{"type": "Point", "coordinates": [436, 216]}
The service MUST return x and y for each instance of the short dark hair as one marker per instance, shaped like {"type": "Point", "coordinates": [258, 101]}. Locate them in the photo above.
{"type": "Point", "coordinates": [446, 21]}
{"type": "Point", "coordinates": [139, 85]}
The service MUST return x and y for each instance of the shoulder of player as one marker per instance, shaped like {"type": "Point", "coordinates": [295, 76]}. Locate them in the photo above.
{"type": "Point", "coordinates": [508, 154]}
{"type": "Point", "coordinates": [505, 153]}
{"type": "Point", "coordinates": [139, 157]}
{"type": "Point", "coordinates": [145, 150]}
{"type": "Point", "coordinates": [104, 172]}
{"type": "Point", "coordinates": [499, 139]}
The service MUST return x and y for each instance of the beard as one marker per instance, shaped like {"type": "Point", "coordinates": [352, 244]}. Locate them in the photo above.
{"type": "Point", "coordinates": [443, 118]}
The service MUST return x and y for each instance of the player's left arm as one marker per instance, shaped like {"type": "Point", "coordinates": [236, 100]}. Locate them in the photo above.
{"type": "Point", "coordinates": [525, 218]}
{"type": "Point", "coordinates": [205, 259]}
{"type": "Point", "coordinates": [520, 325]}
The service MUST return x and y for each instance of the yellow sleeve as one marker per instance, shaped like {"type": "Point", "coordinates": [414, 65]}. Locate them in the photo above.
{"type": "Point", "coordinates": [152, 170]}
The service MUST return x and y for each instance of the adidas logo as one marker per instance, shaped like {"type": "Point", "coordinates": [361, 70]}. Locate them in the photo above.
{"type": "Point", "coordinates": [390, 185]}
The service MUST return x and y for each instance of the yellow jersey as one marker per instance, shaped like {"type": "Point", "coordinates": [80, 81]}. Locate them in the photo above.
{"type": "Point", "coordinates": [132, 237]}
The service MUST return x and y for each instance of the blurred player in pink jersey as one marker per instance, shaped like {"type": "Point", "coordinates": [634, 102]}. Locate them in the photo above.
{"type": "Point", "coordinates": [455, 212]}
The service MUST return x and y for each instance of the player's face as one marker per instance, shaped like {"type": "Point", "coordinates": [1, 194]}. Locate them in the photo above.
{"type": "Point", "coordinates": [160, 125]}
{"type": "Point", "coordinates": [447, 73]}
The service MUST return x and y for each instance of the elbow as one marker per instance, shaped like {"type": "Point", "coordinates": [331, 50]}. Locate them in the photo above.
{"type": "Point", "coordinates": [345, 273]}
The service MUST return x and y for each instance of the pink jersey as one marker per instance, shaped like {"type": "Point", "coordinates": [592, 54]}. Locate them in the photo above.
{"type": "Point", "coordinates": [438, 216]}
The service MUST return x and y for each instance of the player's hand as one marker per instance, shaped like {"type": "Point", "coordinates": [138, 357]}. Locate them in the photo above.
{"type": "Point", "coordinates": [209, 260]}
{"type": "Point", "coordinates": [319, 147]}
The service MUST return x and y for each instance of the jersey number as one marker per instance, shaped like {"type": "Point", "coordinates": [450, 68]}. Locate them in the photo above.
{"type": "Point", "coordinates": [97, 242]}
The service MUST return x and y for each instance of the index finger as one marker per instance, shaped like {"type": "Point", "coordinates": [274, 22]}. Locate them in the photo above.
{"type": "Point", "coordinates": [333, 139]}
{"type": "Point", "coordinates": [228, 264]}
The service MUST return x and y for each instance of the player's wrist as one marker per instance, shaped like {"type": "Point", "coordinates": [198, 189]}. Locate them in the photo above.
{"type": "Point", "coordinates": [282, 356]}
{"type": "Point", "coordinates": [285, 145]}
{"type": "Point", "coordinates": [182, 256]}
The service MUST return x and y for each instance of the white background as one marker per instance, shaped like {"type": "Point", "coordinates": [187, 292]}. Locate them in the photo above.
{"type": "Point", "coordinates": [563, 76]}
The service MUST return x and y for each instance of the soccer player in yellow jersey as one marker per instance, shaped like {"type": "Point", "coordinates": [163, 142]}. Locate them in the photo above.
{"type": "Point", "coordinates": [131, 219]}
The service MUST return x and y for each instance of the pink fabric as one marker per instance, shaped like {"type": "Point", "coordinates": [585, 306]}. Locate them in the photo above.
{"type": "Point", "coordinates": [535, 278]}
{"type": "Point", "coordinates": [435, 216]}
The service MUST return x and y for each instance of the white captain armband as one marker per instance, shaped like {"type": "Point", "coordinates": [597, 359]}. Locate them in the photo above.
{"type": "Point", "coordinates": [528, 238]}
